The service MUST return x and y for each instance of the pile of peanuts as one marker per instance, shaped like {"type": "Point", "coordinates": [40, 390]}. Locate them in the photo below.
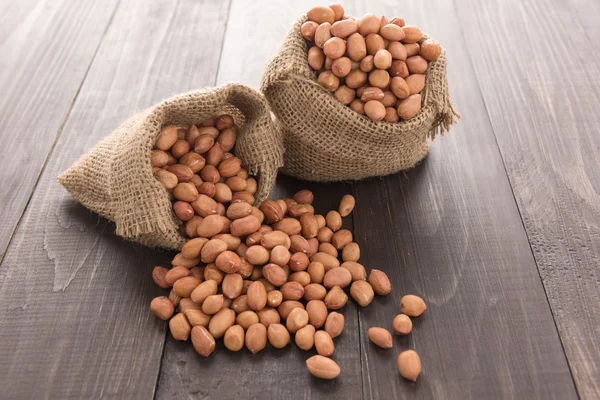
{"type": "Point", "coordinates": [196, 166]}
{"type": "Point", "coordinates": [252, 274]}
{"type": "Point", "coordinates": [374, 65]}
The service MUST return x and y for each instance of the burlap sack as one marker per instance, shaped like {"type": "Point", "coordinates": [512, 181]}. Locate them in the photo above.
{"type": "Point", "coordinates": [115, 178]}
{"type": "Point", "coordinates": [327, 141]}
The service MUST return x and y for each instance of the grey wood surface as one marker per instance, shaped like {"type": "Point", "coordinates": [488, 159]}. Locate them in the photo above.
{"type": "Point", "coordinates": [74, 321]}
{"type": "Point", "coordinates": [450, 231]}
{"type": "Point", "coordinates": [544, 112]}
{"type": "Point", "coordinates": [74, 318]}
{"type": "Point", "coordinates": [41, 72]}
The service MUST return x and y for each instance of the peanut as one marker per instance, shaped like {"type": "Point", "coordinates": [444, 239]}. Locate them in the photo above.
{"type": "Point", "coordinates": [362, 293]}
{"type": "Point", "coordinates": [278, 336]}
{"type": "Point", "coordinates": [412, 305]}
{"type": "Point", "coordinates": [234, 338]}
{"type": "Point", "coordinates": [334, 324]}
{"type": "Point", "coordinates": [308, 30]}
{"type": "Point", "coordinates": [323, 367]}
{"type": "Point", "coordinates": [246, 319]}
{"type": "Point", "coordinates": [351, 252]}
{"type": "Point", "coordinates": [321, 14]}
{"type": "Point", "coordinates": [221, 321]}
{"type": "Point", "coordinates": [402, 324]}
{"type": "Point", "coordinates": [162, 307]}
{"type": "Point", "coordinates": [257, 296]}
{"type": "Point", "coordinates": [268, 316]}
{"type": "Point", "coordinates": [256, 338]}
{"type": "Point", "coordinates": [324, 343]}
{"type": "Point", "coordinates": [336, 298]}
{"type": "Point", "coordinates": [337, 277]}
{"type": "Point", "coordinates": [410, 106]}
{"type": "Point", "coordinates": [380, 282]}
{"type": "Point", "coordinates": [297, 319]}
{"type": "Point", "coordinates": [409, 365]}
{"type": "Point", "coordinates": [180, 327]}
{"type": "Point", "coordinates": [317, 313]}
{"type": "Point", "coordinates": [305, 337]}
{"type": "Point", "coordinates": [203, 341]}
{"type": "Point", "coordinates": [381, 337]}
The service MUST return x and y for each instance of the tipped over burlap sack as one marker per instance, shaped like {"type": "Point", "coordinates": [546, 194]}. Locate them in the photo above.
{"type": "Point", "coordinates": [115, 177]}
{"type": "Point", "coordinates": [327, 141]}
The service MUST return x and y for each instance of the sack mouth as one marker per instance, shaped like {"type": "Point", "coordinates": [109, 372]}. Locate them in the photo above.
{"type": "Point", "coordinates": [252, 119]}
{"type": "Point", "coordinates": [115, 178]}
{"type": "Point", "coordinates": [299, 72]}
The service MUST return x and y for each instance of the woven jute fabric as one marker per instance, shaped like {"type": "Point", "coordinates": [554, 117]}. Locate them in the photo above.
{"type": "Point", "coordinates": [327, 141]}
{"type": "Point", "coordinates": [115, 177]}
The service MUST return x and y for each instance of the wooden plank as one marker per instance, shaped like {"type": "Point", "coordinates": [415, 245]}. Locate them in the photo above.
{"type": "Point", "coordinates": [449, 231]}
{"type": "Point", "coordinates": [542, 97]}
{"type": "Point", "coordinates": [13, 13]}
{"type": "Point", "coordinates": [271, 373]}
{"type": "Point", "coordinates": [588, 13]}
{"type": "Point", "coordinates": [41, 71]}
{"type": "Point", "coordinates": [74, 318]}
{"type": "Point", "coordinates": [262, 23]}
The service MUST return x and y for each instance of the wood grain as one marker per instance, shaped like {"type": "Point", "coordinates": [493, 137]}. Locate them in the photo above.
{"type": "Point", "coordinates": [588, 19]}
{"type": "Point", "coordinates": [74, 318]}
{"type": "Point", "coordinates": [265, 25]}
{"type": "Point", "coordinates": [543, 101]}
{"type": "Point", "coordinates": [449, 231]}
{"type": "Point", "coordinates": [40, 74]}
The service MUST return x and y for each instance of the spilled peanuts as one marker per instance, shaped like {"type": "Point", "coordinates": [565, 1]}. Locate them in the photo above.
{"type": "Point", "coordinates": [263, 274]}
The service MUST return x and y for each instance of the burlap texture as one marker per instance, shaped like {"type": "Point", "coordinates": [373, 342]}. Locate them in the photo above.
{"type": "Point", "coordinates": [327, 141]}
{"type": "Point", "coordinates": [115, 177]}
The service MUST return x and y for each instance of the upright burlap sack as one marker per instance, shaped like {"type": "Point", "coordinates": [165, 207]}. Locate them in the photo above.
{"type": "Point", "coordinates": [115, 178]}
{"type": "Point", "coordinates": [327, 141]}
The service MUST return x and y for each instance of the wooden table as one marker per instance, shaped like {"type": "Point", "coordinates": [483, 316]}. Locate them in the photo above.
{"type": "Point", "coordinates": [498, 229]}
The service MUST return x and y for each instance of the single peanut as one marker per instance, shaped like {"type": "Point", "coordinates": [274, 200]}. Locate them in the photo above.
{"type": "Point", "coordinates": [336, 298]}
{"type": "Point", "coordinates": [381, 337]}
{"type": "Point", "coordinates": [268, 316]}
{"type": "Point", "coordinates": [337, 277]}
{"type": "Point", "coordinates": [203, 341]}
{"type": "Point", "coordinates": [409, 365]}
{"type": "Point", "coordinates": [362, 293]}
{"type": "Point", "coordinates": [234, 338]}
{"type": "Point", "coordinates": [402, 324]}
{"type": "Point", "coordinates": [256, 338]}
{"type": "Point", "coordinates": [334, 324]}
{"type": "Point", "coordinates": [380, 282]}
{"type": "Point", "coordinates": [184, 286]}
{"type": "Point", "coordinates": [305, 337]}
{"type": "Point", "coordinates": [412, 305]}
{"type": "Point", "coordinates": [221, 321]}
{"type": "Point", "coordinates": [324, 344]}
{"type": "Point", "coordinates": [323, 367]}
{"type": "Point", "coordinates": [162, 307]}
{"type": "Point", "coordinates": [257, 296]}
{"type": "Point", "coordinates": [247, 318]}
{"type": "Point", "coordinates": [321, 14]}
{"type": "Point", "coordinates": [278, 336]}
{"type": "Point", "coordinates": [351, 252]}
{"type": "Point", "coordinates": [328, 248]}
{"type": "Point", "coordinates": [180, 327]}
{"type": "Point", "coordinates": [297, 318]}
{"type": "Point", "coordinates": [317, 313]}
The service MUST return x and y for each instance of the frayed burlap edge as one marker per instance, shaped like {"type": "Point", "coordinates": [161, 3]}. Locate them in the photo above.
{"type": "Point", "coordinates": [327, 141]}
{"type": "Point", "coordinates": [115, 177]}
